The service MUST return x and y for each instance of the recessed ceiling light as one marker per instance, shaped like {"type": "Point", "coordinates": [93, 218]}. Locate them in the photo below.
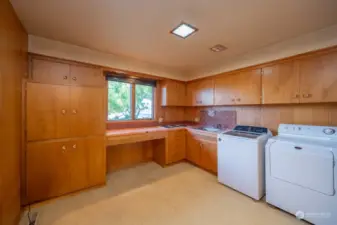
{"type": "Point", "coordinates": [184, 30]}
{"type": "Point", "coordinates": [218, 48]}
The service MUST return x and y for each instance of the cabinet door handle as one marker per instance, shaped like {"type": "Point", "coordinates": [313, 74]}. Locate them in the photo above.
{"type": "Point", "coordinates": [233, 100]}
{"type": "Point", "coordinates": [296, 95]}
{"type": "Point", "coordinates": [306, 95]}
{"type": "Point", "coordinates": [63, 111]}
{"type": "Point", "coordinates": [74, 78]}
{"type": "Point", "coordinates": [64, 148]}
{"type": "Point", "coordinates": [74, 146]}
{"type": "Point", "coordinates": [238, 99]}
{"type": "Point", "coordinates": [74, 111]}
{"type": "Point", "coordinates": [65, 77]}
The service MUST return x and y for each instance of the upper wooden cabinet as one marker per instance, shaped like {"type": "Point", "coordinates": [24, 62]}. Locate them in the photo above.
{"type": "Point", "coordinates": [241, 88]}
{"type": "Point", "coordinates": [280, 83]}
{"type": "Point", "coordinates": [200, 93]}
{"type": "Point", "coordinates": [51, 72]}
{"type": "Point", "coordinates": [173, 93]}
{"type": "Point", "coordinates": [318, 78]}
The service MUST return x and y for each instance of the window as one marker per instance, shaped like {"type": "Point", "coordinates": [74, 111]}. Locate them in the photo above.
{"type": "Point", "coordinates": [130, 99]}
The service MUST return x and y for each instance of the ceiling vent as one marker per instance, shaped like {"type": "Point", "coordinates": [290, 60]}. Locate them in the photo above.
{"type": "Point", "coordinates": [218, 48]}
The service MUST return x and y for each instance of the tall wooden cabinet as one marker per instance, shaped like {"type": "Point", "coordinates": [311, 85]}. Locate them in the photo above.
{"type": "Point", "coordinates": [65, 127]}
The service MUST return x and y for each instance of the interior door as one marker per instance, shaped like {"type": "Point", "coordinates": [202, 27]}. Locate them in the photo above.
{"type": "Point", "coordinates": [310, 167]}
{"type": "Point", "coordinates": [224, 90]}
{"type": "Point", "coordinates": [248, 87]}
{"type": "Point", "coordinates": [48, 116]}
{"type": "Point", "coordinates": [47, 170]}
{"type": "Point", "coordinates": [208, 155]}
{"type": "Point", "coordinates": [318, 80]}
{"type": "Point", "coordinates": [87, 111]}
{"type": "Point", "coordinates": [280, 84]}
{"type": "Point", "coordinates": [87, 162]}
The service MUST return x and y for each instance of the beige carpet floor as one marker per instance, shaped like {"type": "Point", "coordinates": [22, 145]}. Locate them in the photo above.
{"type": "Point", "coordinates": [150, 195]}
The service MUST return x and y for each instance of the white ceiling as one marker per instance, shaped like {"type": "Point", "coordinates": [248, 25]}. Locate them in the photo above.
{"type": "Point", "coordinates": [140, 29]}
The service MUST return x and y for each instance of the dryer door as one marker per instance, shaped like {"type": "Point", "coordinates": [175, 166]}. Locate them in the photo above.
{"type": "Point", "coordinates": [308, 166]}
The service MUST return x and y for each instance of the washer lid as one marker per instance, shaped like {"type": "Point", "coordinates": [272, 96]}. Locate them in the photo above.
{"type": "Point", "coordinates": [308, 166]}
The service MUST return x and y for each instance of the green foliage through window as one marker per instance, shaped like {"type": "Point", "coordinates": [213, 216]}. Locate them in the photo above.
{"type": "Point", "coordinates": [120, 100]}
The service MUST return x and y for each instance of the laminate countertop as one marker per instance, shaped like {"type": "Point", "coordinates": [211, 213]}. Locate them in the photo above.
{"type": "Point", "coordinates": [132, 131]}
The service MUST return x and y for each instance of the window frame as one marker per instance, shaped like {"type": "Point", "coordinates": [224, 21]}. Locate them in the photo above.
{"type": "Point", "coordinates": [133, 104]}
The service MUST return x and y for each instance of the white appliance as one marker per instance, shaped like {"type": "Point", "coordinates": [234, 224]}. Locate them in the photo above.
{"type": "Point", "coordinates": [241, 159]}
{"type": "Point", "coordinates": [301, 173]}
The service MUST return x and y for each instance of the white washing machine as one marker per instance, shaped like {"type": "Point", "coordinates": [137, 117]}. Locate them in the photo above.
{"type": "Point", "coordinates": [241, 159]}
{"type": "Point", "coordinates": [301, 172]}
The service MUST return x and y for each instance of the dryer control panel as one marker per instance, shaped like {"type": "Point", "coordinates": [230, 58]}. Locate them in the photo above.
{"type": "Point", "coordinates": [305, 130]}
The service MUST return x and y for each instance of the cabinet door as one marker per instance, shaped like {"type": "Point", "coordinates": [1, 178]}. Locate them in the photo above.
{"type": "Point", "coordinates": [224, 90]}
{"type": "Point", "coordinates": [208, 155]}
{"type": "Point", "coordinates": [193, 149]}
{"type": "Point", "coordinates": [280, 84]}
{"type": "Point", "coordinates": [176, 145]}
{"type": "Point", "coordinates": [204, 94]}
{"type": "Point", "coordinates": [248, 87]}
{"type": "Point", "coordinates": [87, 163]}
{"type": "Point", "coordinates": [48, 116]}
{"type": "Point", "coordinates": [190, 94]}
{"type": "Point", "coordinates": [86, 76]}
{"type": "Point", "coordinates": [87, 111]}
{"type": "Point", "coordinates": [47, 168]}
{"type": "Point", "coordinates": [44, 71]}
{"type": "Point", "coordinates": [318, 78]}
{"type": "Point", "coordinates": [173, 93]}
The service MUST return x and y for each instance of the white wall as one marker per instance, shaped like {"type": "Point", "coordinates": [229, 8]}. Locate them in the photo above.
{"type": "Point", "coordinates": [309, 42]}
{"type": "Point", "coordinates": [62, 50]}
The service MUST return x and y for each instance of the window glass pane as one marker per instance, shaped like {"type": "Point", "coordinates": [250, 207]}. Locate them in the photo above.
{"type": "Point", "coordinates": [144, 102]}
{"type": "Point", "coordinates": [119, 100]}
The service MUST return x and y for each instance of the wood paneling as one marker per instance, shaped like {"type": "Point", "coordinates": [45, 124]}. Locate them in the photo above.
{"type": "Point", "coordinates": [122, 156]}
{"type": "Point", "coordinates": [13, 66]}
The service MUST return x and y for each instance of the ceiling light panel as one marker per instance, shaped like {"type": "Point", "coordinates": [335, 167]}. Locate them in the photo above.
{"type": "Point", "coordinates": [184, 30]}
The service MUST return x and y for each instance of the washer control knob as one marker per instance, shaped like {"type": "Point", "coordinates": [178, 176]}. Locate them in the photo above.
{"type": "Point", "coordinates": [219, 139]}
{"type": "Point", "coordinates": [329, 131]}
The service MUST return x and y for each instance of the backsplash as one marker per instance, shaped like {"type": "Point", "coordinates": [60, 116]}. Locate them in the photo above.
{"type": "Point", "coordinates": [218, 118]}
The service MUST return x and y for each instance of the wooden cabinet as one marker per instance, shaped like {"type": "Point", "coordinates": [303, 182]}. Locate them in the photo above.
{"type": "Point", "coordinates": [87, 111]}
{"type": "Point", "coordinates": [173, 93]}
{"type": "Point", "coordinates": [51, 72]}
{"type": "Point", "coordinates": [242, 88]}
{"type": "Point", "coordinates": [192, 149]}
{"type": "Point", "coordinates": [65, 129]}
{"type": "Point", "coordinates": [202, 151]}
{"type": "Point", "coordinates": [309, 79]}
{"type": "Point", "coordinates": [58, 111]}
{"type": "Point", "coordinates": [280, 83]}
{"type": "Point", "coordinates": [318, 78]}
{"type": "Point", "coordinates": [176, 145]}
{"type": "Point", "coordinates": [47, 110]}
{"type": "Point", "coordinates": [86, 76]}
{"type": "Point", "coordinates": [208, 155]}
{"type": "Point", "coordinates": [200, 93]}
{"type": "Point", "coordinates": [59, 167]}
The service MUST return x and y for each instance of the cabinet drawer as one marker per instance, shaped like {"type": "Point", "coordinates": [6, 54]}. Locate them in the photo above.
{"type": "Point", "coordinates": [86, 76]}
{"type": "Point", "coordinates": [48, 72]}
